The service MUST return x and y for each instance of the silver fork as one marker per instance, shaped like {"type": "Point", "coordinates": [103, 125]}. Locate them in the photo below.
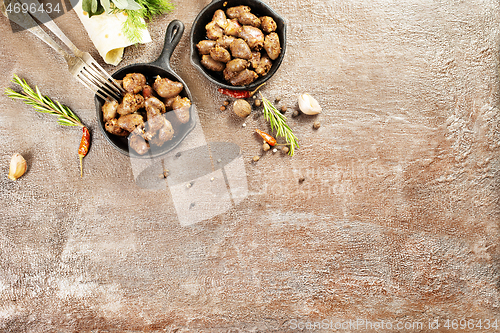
{"type": "Point", "coordinates": [80, 64]}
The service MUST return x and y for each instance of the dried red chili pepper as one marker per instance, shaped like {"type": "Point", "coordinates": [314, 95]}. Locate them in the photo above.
{"type": "Point", "coordinates": [269, 139]}
{"type": "Point", "coordinates": [235, 93]}
{"type": "Point", "coordinates": [84, 147]}
{"type": "Point", "coordinates": [239, 93]}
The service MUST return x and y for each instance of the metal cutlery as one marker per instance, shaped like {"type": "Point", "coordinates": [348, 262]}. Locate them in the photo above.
{"type": "Point", "coordinates": [80, 64]}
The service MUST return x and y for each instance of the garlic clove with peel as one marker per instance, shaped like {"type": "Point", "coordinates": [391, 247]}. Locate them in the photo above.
{"type": "Point", "coordinates": [18, 166]}
{"type": "Point", "coordinates": [308, 105]}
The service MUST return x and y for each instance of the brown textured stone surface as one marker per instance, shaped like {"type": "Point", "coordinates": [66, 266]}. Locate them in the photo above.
{"type": "Point", "coordinates": [397, 218]}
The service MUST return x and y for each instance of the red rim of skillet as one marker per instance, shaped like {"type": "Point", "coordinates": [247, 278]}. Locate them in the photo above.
{"type": "Point", "coordinates": [160, 66]}
{"type": "Point", "coordinates": [198, 33]}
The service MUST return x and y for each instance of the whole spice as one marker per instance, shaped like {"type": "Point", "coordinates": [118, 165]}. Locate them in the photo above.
{"type": "Point", "coordinates": [222, 108]}
{"type": "Point", "coordinates": [239, 93]}
{"type": "Point", "coordinates": [316, 124]}
{"type": "Point", "coordinates": [285, 149]}
{"type": "Point", "coordinates": [266, 147]}
{"type": "Point", "coordinates": [17, 167]}
{"type": "Point", "coordinates": [235, 93]}
{"type": "Point", "coordinates": [257, 103]}
{"type": "Point", "coordinates": [256, 158]}
{"type": "Point", "coordinates": [44, 104]}
{"type": "Point", "coordinates": [242, 108]}
{"type": "Point", "coordinates": [84, 147]}
{"type": "Point", "coordinates": [269, 139]}
{"type": "Point", "coordinates": [283, 109]}
{"type": "Point", "coordinates": [308, 105]}
{"type": "Point", "coordinates": [278, 124]}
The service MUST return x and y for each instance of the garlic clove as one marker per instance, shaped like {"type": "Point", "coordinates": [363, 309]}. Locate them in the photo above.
{"type": "Point", "coordinates": [18, 166]}
{"type": "Point", "coordinates": [308, 105]}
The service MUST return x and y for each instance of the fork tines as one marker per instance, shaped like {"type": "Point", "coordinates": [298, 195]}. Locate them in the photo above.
{"type": "Point", "coordinates": [95, 78]}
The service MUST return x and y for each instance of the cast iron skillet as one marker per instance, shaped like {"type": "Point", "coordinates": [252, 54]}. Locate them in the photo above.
{"type": "Point", "coordinates": [160, 66]}
{"type": "Point", "coordinates": [198, 33]}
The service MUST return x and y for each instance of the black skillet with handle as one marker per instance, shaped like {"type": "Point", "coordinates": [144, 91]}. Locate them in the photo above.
{"type": "Point", "coordinates": [198, 33]}
{"type": "Point", "coordinates": [161, 67]}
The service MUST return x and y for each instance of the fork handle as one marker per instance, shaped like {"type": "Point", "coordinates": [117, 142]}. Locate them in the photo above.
{"type": "Point", "coordinates": [40, 33]}
{"type": "Point", "coordinates": [27, 22]}
{"type": "Point", "coordinates": [49, 23]}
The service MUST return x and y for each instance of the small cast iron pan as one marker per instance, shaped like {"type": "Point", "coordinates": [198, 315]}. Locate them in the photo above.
{"type": "Point", "coordinates": [198, 33]}
{"type": "Point", "coordinates": [160, 66]}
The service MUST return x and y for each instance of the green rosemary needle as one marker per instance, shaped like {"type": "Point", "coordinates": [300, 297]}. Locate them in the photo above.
{"type": "Point", "coordinates": [278, 124]}
{"type": "Point", "coordinates": [43, 104]}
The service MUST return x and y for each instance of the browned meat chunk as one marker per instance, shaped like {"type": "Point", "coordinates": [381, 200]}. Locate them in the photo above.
{"type": "Point", "coordinates": [167, 88]}
{"type": "Point", "coordinates": [244, 78]}
{"type": "Point", "coordinates": [232, 28]}
{"type": "Point", "coordinates": [228, 75]}
{"type": "Point", "coordinates": [220, 18]}
{"type": "Point", "coordinates": [235, 12]}
{"type": "Point", "coordinates": [204, 46]}
{"type": "Point", "coordinates": [133, 82]}
{"type": "Point", "coordinates": [168, 103]}
{"type": "Point", "coordinates": [237, 65]}
{"type": "Point", "coordinates": [248, 18]}
{"type": "Point", "coordinates": [214, 31]}
{"type": "Point", "coordinates": [154, 109]}
{"type": "Point", "coordinates": [268, 24]}
{"type": "Point", "coordinates": [240, 49]}
{"type": "Point", "coordinates": [263, 66]}
{"type": "Point", "coordinates": [112, 127]}
{"type": "Point", "coordinates": [130, 122]}
{"type": "Point", "coordinates": [130, 104]}
{"type": "Point", "coordinates": [109, 110]}
{"type": "Point", "coordinates": [220, 54]}
{"type": "Point", "coordinates": [147, 91]}
{"type": "Point", "coordinates": [211, 64]}
{"type": "Point", "coordinates": [155, 122]}
{"type": "Point", "coordinates": [225, 41]}
{"type": "Point", "coordinates": [154, 105]}
{"type": "Point", "coordinates": [253, 36]}
{"type": "Point", "coordinates": [272, 45]}
{"type": "Point", "coordinates": [138, 144]}
{"type": "Point", "coordinates": [181, 107]}
{"type": "Point", "coordinates": [255, 59]}
{"type": "Point", "coordinates": [165, 133]}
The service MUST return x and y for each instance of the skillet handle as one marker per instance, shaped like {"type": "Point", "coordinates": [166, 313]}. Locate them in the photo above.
{"type": "Point", "coordinates": [172, 37]}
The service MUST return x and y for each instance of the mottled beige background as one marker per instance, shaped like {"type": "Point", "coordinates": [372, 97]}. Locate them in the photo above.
{"type": "Point", "coordinates": [397, 219]}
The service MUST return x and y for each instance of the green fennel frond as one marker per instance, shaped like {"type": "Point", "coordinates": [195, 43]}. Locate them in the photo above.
{"type": "Point", "coordinates": [150, 9]}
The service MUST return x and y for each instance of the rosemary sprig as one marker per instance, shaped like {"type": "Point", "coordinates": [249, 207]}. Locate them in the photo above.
{"type": "Point", "coordinates": [43, 104]}
{"type": "Point", "coordinates": [278, 124]}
